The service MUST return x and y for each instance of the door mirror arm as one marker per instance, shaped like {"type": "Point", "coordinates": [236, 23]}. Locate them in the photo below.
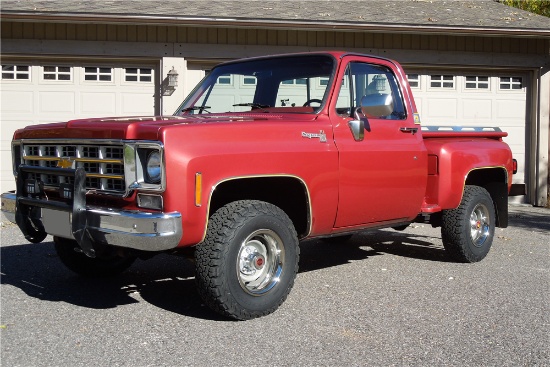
{"type": "Point", "coordinates": [357, 125]}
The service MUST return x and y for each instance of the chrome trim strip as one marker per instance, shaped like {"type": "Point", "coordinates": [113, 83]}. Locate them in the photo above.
{"type": "Point", "coordinates": [134, 168]}
{"type": "Point", "coordinates": [87, 160]}
{"type": "Point", "coordinates": [77, 141]}
{"type": "Point", "coordinates": [135, 229]}
{"type": "Point", "coordinates": [310, 209]}
{"type": "Point", "coordinates": [14, 164]}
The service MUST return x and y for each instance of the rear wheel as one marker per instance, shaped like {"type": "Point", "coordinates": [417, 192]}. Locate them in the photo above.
{"type": "Point", "coordinates": [108, 263]}
{"type": "Point", "coordinates": [468, 230]}
{"type": "Point", "coordinates": [247, 263]}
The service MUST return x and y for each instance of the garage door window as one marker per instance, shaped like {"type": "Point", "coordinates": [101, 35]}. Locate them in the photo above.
{"type": "Point", "coordinates": [98, 74]}
{"type": "Point", "coordinates": [143, 75]}
{"type": "Point", "coordinates": [57, 73]}
{"type": "Point", "coordinates": [249, 81]}
{"type": "Point", "coordinates": [509, 83]}
{"type": "Point", "coordinates": [477, 82]}
{"type": "Point", "coordinates": [442, 81]}
{"type": "Point", "coordinates": [414, 80]}
{"type": "Point", "coordinates": [225, 80]}
{"type": "Point", "coordinates": [16, 72]}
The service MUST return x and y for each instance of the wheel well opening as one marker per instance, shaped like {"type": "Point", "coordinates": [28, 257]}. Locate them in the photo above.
{"type": "Point", "coordinates": [484, 176]}
{"type": "Point", "coordinates": [288, 193]}
{"type": "Point", "coordinates": [495, 181]}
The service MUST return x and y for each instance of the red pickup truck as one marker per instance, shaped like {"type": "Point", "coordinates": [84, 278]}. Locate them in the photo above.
{"type": "Point", "coordinates": [264, 153]}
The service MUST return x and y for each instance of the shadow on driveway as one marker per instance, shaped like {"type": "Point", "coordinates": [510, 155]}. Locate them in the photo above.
{"type": "Point", "coordinates": [535, 219]}
{"type": "Point", "coordinates": [167, 281]}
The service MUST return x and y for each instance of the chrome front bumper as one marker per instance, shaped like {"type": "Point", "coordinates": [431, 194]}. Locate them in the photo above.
{"type": "Point", "coordinates": [125, 228]}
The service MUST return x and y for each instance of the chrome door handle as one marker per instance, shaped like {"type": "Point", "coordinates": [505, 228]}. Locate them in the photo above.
{"type": "Point", "coordinates": [412, 130]}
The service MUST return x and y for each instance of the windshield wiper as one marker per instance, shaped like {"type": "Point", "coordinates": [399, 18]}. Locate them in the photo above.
{"type": "Point", "coordinates": [253, 105]}
{"type": "Point", "coordinates": [196, 108]}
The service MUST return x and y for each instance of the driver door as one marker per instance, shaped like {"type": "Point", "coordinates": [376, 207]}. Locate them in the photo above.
{"type": "Point", "coordinates": [383, 176]}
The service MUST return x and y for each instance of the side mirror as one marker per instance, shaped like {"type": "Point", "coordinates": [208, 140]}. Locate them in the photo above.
{"type": "Point", "coordinates": [357, 125]}
{"type": "Point", "coordinates": [376, 105]}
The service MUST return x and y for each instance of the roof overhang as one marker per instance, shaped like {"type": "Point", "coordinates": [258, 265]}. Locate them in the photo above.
{"type": "Point", "coordinates": [280, 24]}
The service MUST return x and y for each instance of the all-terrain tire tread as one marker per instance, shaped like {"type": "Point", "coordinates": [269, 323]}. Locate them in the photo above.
{"type": "Point", "coordinates": [210, 254]}
{"type": "Point", "coordinates": [454, 228]}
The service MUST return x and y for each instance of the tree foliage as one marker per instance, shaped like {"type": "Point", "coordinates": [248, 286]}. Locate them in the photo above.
{"type": "Point", "coordinates": [541, 7]}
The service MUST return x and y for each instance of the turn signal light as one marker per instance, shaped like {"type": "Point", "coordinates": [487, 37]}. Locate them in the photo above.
{"type": "Point", "coordinates": [198, 189]}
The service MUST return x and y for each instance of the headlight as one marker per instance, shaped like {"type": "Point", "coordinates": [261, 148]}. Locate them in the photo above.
{"type": "Point", "coordinates": [153, 167]}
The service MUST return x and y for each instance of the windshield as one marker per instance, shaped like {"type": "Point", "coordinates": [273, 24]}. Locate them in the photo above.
{"type": "Point", "coordinates": [296, 84]}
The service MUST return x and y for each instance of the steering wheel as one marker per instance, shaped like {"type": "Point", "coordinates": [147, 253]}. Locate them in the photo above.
{"type": "Point", "coordinates": [314, 100]}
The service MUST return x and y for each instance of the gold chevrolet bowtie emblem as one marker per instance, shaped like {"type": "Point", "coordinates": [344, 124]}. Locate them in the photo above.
{"type": "Point", "coordinates": [65, 162]}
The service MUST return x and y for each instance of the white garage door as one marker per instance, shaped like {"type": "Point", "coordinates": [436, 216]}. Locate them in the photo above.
{"type": "Point", "coordinates": [33, 93]}
{"type": "Point", "coordinates": [488, 99]}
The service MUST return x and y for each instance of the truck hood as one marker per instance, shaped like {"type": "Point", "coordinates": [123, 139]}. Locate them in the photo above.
{"type": "Point", "coordinates": [138, 128]}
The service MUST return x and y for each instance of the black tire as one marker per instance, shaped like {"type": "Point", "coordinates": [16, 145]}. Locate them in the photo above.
{"type": "Point", "coordinates": [108, 264]}
{"type": "Point", "coordinates": [468, 230]}
{"type": "Point", "coordinates": [246, 266]}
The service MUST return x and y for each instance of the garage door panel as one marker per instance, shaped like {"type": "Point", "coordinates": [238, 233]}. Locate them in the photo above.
{"type": "Point", "coordinates": [442, 108]}
{"type": "Point", "coordinates": [7, 180]}
{"type": "Point", "coordinates": [419, 104]}
{"type": "Point", "coordinates": [520, 177]}
{"type": "Point", "coordinates": [95, 104]}
{"type": "Point", "coordinates": [8, 128]}
{"type": "Point", "coordinates": [516, 134]}
{"type": "Point", "coordinates": [56, 102]}
{"type": "Point", "coordinates": [510, 109]}
{"type": "Point", "coordinates": [477, 110]}
{"type": "Point", "coordinates": [17, 101]}
{"type": "Point", "coordinates": [136, 104]}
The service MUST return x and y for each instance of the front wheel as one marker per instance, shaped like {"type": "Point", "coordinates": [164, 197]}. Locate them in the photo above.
{"type": "Point", "coordinates": [467, 231]}
{"type": "Point", "coordinates": [246, 266]}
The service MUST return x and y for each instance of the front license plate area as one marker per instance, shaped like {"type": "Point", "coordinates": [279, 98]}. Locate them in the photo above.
{"type": "Point", "coordinates": [57, 223]}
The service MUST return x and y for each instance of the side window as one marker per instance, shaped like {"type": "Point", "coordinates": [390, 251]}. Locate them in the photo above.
{"type": "Point", "coordinates": [370, 81]}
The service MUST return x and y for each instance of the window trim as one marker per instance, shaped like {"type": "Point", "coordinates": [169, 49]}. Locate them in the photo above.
{"type": "Point", "coordinates": [511, 83]}
{"type": "Point", "coordinates": [98, 74]}
{"type": "Point", "coordinates": [417, 80]}
{"type": "Point", "coordinates": [442, 81]}
{"type": "Point", "coordinates": [15, 72]}
{"type": "Point", "coordinates": [56, 73]}
{"type": "Point", "coordinates": [138, 75]}
{"type": "Point", "coordinates": [476, 83]}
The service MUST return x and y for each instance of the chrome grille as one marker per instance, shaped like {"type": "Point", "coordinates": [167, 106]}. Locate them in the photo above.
{"type": "Point", "coordinates": [104, 164]}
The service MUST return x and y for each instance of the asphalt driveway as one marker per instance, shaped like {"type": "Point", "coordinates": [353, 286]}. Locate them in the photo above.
{"type": "Point", "coordinates": [384, 298]}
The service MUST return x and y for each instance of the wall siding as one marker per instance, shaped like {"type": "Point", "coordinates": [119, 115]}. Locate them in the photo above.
{"type": "Point", "coordinates": [229, 36]}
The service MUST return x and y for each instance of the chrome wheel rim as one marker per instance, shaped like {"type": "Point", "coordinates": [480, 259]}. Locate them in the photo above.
{"type": "Point", "coordinates": [480, 225]}
{"type": "Point", "coordinates": [260, 262]}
